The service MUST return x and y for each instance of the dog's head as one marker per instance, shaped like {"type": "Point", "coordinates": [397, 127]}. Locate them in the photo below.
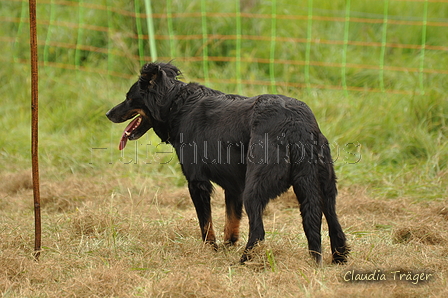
{"type": "Point", "coordinates": [149, 99]}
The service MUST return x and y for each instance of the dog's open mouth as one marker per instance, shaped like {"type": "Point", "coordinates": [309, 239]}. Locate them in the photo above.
{"type": "Point", "coordinates": [135, 129]}
{"type": "Point", "coordinates": [138, 126]}
{"type": "Point", "coordinates": [127, 133]}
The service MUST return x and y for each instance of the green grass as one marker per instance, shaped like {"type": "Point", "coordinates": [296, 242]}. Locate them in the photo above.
{"type": "Point", "coordinates": [401, 140]}
{"type": "Point", "coordinates": [394, 145]}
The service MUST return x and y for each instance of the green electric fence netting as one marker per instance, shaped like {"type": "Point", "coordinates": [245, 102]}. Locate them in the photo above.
{"type": "Point", "coordinates": [391, 46]}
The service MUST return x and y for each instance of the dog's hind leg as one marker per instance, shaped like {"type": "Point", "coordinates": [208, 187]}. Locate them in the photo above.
{"type": "Point", "coordinates": [327, 179]}
{"type": "Point", "coordinates": [306, 188]}
{"type": "Point", "coordinates": [254, 203]}
{"type": "Point", "coordinates": [234, 210]}
{"type": "Point", "coordinates": [200, 194]}
{"type": "Point", "coordinates": [267, 176]}
{"type": "Point", "coordinates": [263, 182]}
{"type": "Point", "coordinates": [339, 247]}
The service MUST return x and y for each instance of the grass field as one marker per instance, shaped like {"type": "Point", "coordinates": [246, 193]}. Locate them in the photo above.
{"type": "Point", "coordinates": [122, 225]}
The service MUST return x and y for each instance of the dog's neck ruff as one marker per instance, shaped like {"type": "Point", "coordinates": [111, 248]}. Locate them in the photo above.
{"type": "Point", "coordinates": [186, 93]}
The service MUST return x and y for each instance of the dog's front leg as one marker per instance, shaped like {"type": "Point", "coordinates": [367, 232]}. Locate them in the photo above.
{"type": "Point", "coordinates": [234, 210]}
{"type": "Point", "coordinates": [200, 194]}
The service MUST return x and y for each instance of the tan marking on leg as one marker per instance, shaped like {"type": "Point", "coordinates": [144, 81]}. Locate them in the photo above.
{"type": "Point", "coordinates": [231, 229]}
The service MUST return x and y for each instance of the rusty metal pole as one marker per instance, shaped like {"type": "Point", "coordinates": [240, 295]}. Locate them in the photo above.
{"type": "Point", "coordinates": [34, 129]}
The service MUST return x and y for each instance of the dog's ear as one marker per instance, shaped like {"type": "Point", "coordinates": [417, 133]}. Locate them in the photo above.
{"type": "Point", "coordinates": [170, 70]}
{"type": "Point", "coordinates": [159, 73]}
{"type": "Point", "coordinates": [149, 73]}
{"type": "Point", "coordinates": [156, 84]}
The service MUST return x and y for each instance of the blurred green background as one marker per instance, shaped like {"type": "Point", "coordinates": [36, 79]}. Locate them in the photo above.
{"type": "Point", "coordinates": [374, 72]}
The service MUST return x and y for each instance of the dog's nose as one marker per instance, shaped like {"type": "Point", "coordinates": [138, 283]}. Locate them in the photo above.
{"type": "Point", "coordinates": [108, 114]}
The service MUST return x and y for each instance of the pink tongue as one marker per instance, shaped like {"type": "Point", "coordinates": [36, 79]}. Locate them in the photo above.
{"type": "Point", "coordinates": [124, 138]}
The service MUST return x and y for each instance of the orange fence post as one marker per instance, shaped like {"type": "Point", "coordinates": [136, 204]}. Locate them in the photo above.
{"type": "Point", "coordinates": [34, 129]}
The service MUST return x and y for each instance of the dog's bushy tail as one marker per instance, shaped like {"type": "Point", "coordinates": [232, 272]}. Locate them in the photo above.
{"type": "Point", "coordinates": [314, 182]}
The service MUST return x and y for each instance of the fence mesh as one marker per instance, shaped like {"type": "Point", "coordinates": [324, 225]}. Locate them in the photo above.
{"type": "Point", "coordinates": [392, 46]}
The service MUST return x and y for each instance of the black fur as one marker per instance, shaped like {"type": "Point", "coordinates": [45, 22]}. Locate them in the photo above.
{"type": "Point", "coordinates": [254, 148]}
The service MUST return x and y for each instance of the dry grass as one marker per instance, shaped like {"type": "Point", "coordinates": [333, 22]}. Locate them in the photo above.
{"type": "Point", "coordinates": [108, 236]}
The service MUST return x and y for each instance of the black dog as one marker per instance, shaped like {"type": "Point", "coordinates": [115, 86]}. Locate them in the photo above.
{"type": "Point", "coordinates": [254, 148]}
